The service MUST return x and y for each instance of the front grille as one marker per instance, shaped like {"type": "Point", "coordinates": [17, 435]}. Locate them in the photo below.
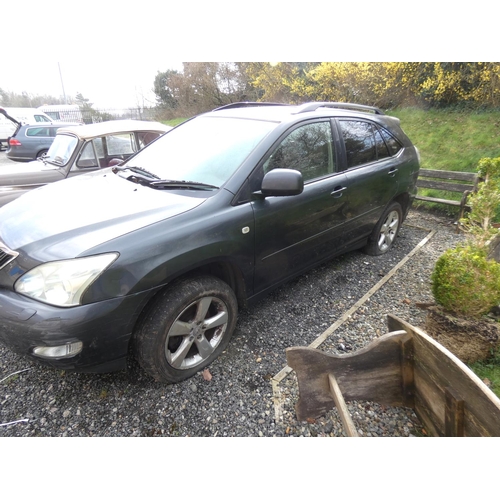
{"type": "Point", "coordinates": [6, 255]}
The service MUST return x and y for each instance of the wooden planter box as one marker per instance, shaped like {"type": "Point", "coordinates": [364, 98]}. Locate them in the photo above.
{"type": "Point", "coordinates": [405, 367]}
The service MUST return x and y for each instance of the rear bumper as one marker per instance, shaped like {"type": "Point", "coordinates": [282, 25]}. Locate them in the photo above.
{"type": "Point", "coordinates": [104, 328]}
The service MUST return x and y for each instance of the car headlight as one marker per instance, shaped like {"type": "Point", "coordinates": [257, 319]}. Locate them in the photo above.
{"type": "Point", "coordinates": [62, 283]}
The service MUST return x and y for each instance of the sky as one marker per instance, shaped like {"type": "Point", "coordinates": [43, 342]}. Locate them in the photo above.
{"type": "Point", "coordinates": [111, 51]}
{"type": "Point", "coordinates": [109, 86]}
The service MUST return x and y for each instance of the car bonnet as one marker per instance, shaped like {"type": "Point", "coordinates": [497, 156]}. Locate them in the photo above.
{"type": "Point", "coordinates": [67, 218]}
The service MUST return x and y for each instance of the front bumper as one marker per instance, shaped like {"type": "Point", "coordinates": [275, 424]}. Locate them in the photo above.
{"type": "Point", "coordinates": [104, 328]}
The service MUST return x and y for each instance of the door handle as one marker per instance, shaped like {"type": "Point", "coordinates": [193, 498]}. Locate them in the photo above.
{"type": "Point", "coordinates": [392, 172]}
{"type": "Point", "coordinates": [337, 192]}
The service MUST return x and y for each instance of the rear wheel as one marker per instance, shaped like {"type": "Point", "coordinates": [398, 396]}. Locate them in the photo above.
{"type": "Point", "coordinates": [187, 327]}
{"type": "Point", "coordinates": [41, 153]}
{"type": "Point", "coordinates": [386, 230]}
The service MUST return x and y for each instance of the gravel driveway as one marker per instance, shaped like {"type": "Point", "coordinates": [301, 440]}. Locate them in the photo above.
{"type": "Point", "coordinates": [246, 392]}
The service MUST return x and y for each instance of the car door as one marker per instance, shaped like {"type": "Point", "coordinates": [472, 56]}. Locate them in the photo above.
{"type": "Point", "coordinates": [371, 174]}
{"type": "Point", "coordinates": [294, 232]}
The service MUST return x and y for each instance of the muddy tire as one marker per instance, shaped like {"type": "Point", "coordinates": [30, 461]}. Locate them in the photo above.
{"type": "Point", "coordinates": [187, 326]}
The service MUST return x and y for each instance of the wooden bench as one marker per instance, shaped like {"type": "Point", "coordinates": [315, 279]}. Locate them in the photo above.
{"type": "Point", "coordinates": [444, 180]}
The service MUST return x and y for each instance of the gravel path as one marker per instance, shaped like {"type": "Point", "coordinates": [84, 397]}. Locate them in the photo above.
{"type": "Point", "coordinates": [243, 397]}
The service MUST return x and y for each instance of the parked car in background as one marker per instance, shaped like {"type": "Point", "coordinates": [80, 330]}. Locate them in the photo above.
{"type": "Point", "coordinates": [12, 118]}
{"type": "Point", "coordinates": [30, 142]}
{"type": "Point", "coordinates": [77, 150]}
{"type": "Point", "coordinates": [63, 112]}
{"type": "Point", "coordinates": [156, 255]}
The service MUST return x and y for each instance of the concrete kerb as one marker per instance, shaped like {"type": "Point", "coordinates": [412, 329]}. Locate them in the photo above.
{"type": "Point", "coordinates": [282, 374]}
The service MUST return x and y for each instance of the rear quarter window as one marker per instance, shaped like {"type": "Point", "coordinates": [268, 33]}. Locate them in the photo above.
{"type": "Point", "coordinates": [38, 132]}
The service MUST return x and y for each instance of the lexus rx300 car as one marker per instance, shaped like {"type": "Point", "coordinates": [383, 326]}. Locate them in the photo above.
{"type": "Point", "coordinates": [156, 255]}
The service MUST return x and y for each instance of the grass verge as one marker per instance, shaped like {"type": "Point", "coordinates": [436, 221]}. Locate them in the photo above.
{"type": "Point", "coordinates": [489, 370]}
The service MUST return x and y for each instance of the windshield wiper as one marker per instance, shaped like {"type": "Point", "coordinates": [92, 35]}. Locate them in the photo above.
{"type": "Point", "coordinates": [167, 183]}
{"type": "Point", "coordinates": [137, 170]}
{"type": "Point", "coordinates": [145, 177]}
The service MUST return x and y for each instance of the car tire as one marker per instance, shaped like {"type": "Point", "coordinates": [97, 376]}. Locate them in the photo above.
{"type": "Point", "coordinates": [386, 230]}
{"type": "Point", "coordinates": [41, 153]}
{"type": "Point", "coordinates": [187, 326]}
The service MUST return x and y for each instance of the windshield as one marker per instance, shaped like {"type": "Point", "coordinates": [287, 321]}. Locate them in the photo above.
{"type": "Point", "coordinates": [61, 149]}
{"type": "Point", "coordinates": [204, 150]}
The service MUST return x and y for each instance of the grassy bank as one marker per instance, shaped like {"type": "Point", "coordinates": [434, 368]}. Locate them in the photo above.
{"type": "Point", "coordinates": [450, 140]}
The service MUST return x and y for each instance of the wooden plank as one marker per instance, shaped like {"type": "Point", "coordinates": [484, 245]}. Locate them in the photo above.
{"type": "Point", "coordinates": [444, 186]}
{"type": "Point", "coordinates": [345, 416]}
{"type": "Point", "coordinates": [454, 203]}
{"type": "Point", "coordinates": [448, 174]}
{"type": "Point", "coordinates": [407, 375]}
{"type": "Point", "coordinates": [454, 414]}
{"type": "Point", "coordinates": [373, 373]}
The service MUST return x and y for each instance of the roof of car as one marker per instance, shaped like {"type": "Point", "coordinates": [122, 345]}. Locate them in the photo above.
{"type": "Point", "coordinates": [279, 112]}
{"type": "Point", "coordinates": [51, 124]}
{"type": "Point", "coordinates": [113, 127]}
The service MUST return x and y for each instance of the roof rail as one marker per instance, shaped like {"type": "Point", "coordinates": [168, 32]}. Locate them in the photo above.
{"type": "Point", "coordinates": [248, 104]}
{"type": "Point", "coordinates": [313, 106]}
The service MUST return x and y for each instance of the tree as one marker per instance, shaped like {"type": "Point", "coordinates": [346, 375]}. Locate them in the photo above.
{"type": "Point", "coordinates": [165, 88]}
{"type": "Point", "coordinates": [201, 86]}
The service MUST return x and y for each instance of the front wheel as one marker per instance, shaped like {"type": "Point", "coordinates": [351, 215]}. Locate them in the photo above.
{"type": "Point", "coordinates": [385, 231]}
{"type": "Point", "coordinates": [187, 327]}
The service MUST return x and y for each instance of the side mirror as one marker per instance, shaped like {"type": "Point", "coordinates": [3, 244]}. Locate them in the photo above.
{"type": "Point", "coordinates": [282, 182]}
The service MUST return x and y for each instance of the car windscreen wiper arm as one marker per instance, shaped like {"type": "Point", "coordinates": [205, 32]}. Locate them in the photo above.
{"type": "Point", "coordinates": [137, 170]}
{"type": "Point", "coordinates": [167, 183]}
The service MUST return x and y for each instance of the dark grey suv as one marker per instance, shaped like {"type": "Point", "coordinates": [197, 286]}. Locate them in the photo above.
{"type": "Point", "coordinates": [154, 256]}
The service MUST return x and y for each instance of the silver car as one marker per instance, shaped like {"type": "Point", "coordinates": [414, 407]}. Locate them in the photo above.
{"type": "Point", "coordinates": [77, 150]}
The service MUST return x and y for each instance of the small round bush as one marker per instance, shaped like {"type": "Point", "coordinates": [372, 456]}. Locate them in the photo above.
{"type": "Point", "coordinates": [466, 282]}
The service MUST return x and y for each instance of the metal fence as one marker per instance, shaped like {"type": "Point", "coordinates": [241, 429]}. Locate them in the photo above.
{"type": "Point", "coordinates": [100, 115]}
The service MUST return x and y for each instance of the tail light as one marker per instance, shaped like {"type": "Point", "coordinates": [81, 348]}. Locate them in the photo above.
{"type": "Point", "coordinates": [14, 142]}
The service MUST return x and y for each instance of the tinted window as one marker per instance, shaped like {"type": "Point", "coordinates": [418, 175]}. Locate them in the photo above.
{"type": "Point", "coordinates": [382, 151]}
{"type": "Point", "coordinates": [392, 144]}
{"type": "Point", "coordinates": [308, 149]}
{"type": "Point", "coordinates": [359, 142]}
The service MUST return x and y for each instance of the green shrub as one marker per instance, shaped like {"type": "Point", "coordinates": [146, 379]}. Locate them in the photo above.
{"type": "Point", "coordinates": [466, 282]}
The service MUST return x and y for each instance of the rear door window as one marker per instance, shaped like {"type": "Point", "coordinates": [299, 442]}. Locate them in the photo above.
{"type": "Point", "coordinates": [359, 142]}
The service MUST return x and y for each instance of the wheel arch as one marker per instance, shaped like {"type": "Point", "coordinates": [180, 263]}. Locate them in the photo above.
{"type": "Point", "coordinates": [404, 201]}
